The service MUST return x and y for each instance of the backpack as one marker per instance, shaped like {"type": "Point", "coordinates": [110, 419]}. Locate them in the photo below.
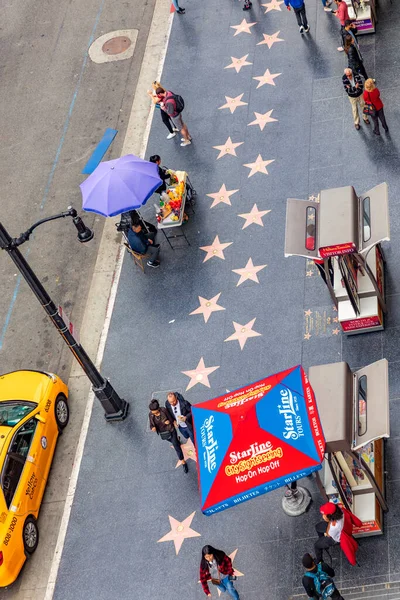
{"type": "Point", "coordinates": [324, 585]}
{"type": "Point", "coordinates": [179, 103]}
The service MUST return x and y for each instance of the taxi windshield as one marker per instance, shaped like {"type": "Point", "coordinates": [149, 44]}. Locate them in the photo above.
{"type": "Point", "coordinates": [13, 411]}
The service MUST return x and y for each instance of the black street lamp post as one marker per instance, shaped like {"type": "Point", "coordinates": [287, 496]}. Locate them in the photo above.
{"type": "Point", "coordinates": [115, 408]}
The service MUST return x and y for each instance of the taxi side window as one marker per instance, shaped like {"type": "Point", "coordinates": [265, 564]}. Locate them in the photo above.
{"type": "Point", "coordinates": [16, 458]}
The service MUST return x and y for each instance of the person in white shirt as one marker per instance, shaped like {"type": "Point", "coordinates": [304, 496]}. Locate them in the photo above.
{"type": "Point", "coordinates": [180, 411]}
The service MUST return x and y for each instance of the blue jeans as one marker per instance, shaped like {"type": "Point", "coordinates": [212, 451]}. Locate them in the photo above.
{"type": "Point", "coordinates": [187, 432]}
{"type": "Point", "coordinates": [226, 585]}
{"type": "Point", "coordinates": [176, 5]}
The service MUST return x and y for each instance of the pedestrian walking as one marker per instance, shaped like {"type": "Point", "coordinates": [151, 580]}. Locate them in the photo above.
{"type": "Point", "coordinates": [353, 85]}
{"type": "Point", "coordinates": [354, 56]}
{"type": "Point", "coordinates": [342, 14]}
{"type": "Point", "coordinates": [374, 105]}
{"type": "Point", "coordinates": [317, 580]}
{"type": "Point", "coordinates": [166, 119]}
{"type": "Point", "coordinates": [161, 424]}
{"type": "Point", "coordinates": [180, 411]}
{"type": "Point", "coordinates": [173, 105]}
{"type": "Point", "coordinates": [300, 12]}
{"type": "Point", "coordinates": [327, 5]}
{"type": "Point", "coordinates": [179, 9]}
{"type": "Point", "coordinates": [216, 566]}
{"type": "Point", "coordinates": [336, 528]}
{"type": "Point", "coordinates": [247, 5]}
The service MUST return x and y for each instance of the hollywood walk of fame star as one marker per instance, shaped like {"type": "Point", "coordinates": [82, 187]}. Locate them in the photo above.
{"type": "Point", "coordinates": [215, 249]}
{"type": "Point", "coordinates": [307, 336]}
{"type": "Point", "coordinates": [270, 40]}
{"type": "Point", "coordinates": [189, 453]}
{"type": "Point", "coordinates": [233, 103]}
{"type": "Point", "coordinates": [309, 274]}
{"type": "Point", "coordinates": [335, 320]}
{"type": "Point", "coordinates": [199, 374]}
{"type": "Point", "coordinates": [243, 333]}
{"type": "Point", "coordinates": [254, 216]}
{"type": "Point", "coordinates": [258, 166]}
{"type": "Point", "coordinates": [248, 272]}
{"type": "Point", "coordinates": [238, 63]}
{"type": "Point", "coordinates": [335, 331]}
{"type": "Point", "coordinates": [207, 307]}
{"type": "Point", "coordinates": [228, 148]}
{"type": "Point", "coordinates": [222, 196]}
{"type": "Point", "coordinates": [262, 120]}
{"type": "Point", "coordinates": [243, 27]}
{"type": "Point", "coordinates": [273, 5]}
{"type": "Point", "coordinates": [308, 313]}
{"type": "Point", "coordinates": [180, 530]}
{"type": "Point", "coordinates": [267, 78]}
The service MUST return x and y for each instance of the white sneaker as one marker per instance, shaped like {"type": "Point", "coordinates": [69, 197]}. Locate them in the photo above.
{"type": "Point", "coordinates": [306, 29]}
{"type": "Point", "coordinates": [171, 135]}
{"type": "Point", "coordinates": [186, 143]}
{"type": "Point", "coordinates": [175, 129]}
{"type": "Point", "coordinates": [340, 49]}
{"type": "Point", "coordinates": [301, 29]}
{"type": "Point", "coordinates": [327, 9]}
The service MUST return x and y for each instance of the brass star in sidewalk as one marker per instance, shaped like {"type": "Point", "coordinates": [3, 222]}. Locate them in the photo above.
{"type": "Point", "coordinates": [199, 374]}
{"type": "Point", "coordinates": [207, 307]}
{"type": "Point", "coordinates": [215, 249]}
{"type": "Point", "coordinates": [180, 530]}
{"type": "Point", "coordinates": [309, 273]}
{"type": "Point", "coordinates": [243, 27]}
{"type": "Point", "coordinates": [267, 78]}
{"type": "Point", "coordinates": [243, 333]}
{"type": "Point", "coordinates": [270, 40]}
{"type": "Point", "coordinates": [262, 120]}
{"type": "Point", "coordinates": [238, 63]}
{"type": "Point", "coordinates": [228, 148]}
{"type": "Point", "coordinates": [335, 331]}
{"type": "Point", "coordinates": [189, 453]}
{"type": "Point", "coordinates": [307, 336]}
{"type": "Point", "coordinates": [222, 196]}
{"type": "Point", "coordinates": [248, 272]}
{"type": "Point", "coordinates": [308, 313]}
{"type": "Point", "coordinates": [233, 103]}
{"type": "Point", "coordinates": [254, 216]}
{"type": "Point", "coordinates": [273, 5]}
{"type": "Point", "coordinates": [258, 166]}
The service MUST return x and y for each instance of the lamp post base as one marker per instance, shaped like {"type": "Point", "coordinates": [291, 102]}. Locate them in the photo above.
{"type": "Point", "coordinates": [296, 501]}
{"type": "Point", "coordinates": [115, 408]}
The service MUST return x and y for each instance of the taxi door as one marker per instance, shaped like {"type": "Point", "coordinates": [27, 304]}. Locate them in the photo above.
{"type": "Point", "coordinates": [43, 446]}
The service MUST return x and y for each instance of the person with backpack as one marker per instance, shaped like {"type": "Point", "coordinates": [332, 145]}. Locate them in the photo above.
{"type": "Point", "coordinates": [317, 580]}
{"type": "Point", "coordinates": [173, 105]}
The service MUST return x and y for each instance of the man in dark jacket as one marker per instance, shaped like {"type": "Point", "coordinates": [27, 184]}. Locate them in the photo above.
{"type": "Point", "coordinates": [180, 411]}
{"type": "Point", "coordinates": [300, 12]}
{"type": "Point", "coordinates": [309, 580]}
{"type": "Point", "coordinates": [354, 87]}
{"type": "Point", "coordinates": [143, 243]}
{"type": "Point", "coordinates": [161, 424]}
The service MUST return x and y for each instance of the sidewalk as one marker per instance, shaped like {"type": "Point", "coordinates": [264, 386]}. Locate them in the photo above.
{"type": "Point", "coordinates": [128, 484]}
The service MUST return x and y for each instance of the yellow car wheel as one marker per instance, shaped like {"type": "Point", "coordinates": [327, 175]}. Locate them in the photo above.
{"type": "Point", "coordinates": [61, 412]}
{"type": "Point", "coordinates": [30, 535]}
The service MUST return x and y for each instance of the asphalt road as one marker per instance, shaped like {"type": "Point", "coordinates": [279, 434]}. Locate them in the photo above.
{"type": "Point", "coordinates": [55, 105]}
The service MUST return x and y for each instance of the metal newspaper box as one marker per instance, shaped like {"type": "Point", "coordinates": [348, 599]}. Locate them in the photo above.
{"type": "Point", "coordinates": [354, 412]}
{"type": "Point", "coordinates": [342, 234]}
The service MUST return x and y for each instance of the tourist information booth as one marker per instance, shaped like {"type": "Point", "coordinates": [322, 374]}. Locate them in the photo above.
{"type": "Point", "coordinates": [354, 412]}
{"type": "Point", "coordinates": [342, 234]}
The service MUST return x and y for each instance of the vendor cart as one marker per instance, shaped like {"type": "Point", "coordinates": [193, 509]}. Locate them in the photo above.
{"type": "Point", "coordinates": [364, 14]}
{"type": "Point", "coordinates": [342, 234]}
{"type": "Point", "coordinates": [171, 214]}
{"type": "Point", "coordinates": [354, 412]}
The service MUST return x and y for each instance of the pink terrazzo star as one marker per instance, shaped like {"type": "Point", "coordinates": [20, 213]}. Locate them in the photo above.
{"type": "Point", "coordinates": [228, 148]}
{"type": "Point", "coordinates": [216, 249]}
{"type": "Point", "coordinates": [180, 530]}
{"type": "Point", "coordinates": [254, 217]}
{"type": "Point", "coordinates": [258, 166]}
{"type": "Point", "coordinates": [207, 307]}
{"type": "Point", "coordinates": [248, 272]}
{"type": "Point", "coordinates": [243, 27]}
{"type": "Point", "coordinates": [222, 197]}
{"type": "Point", "coordinates": [270, 40]}
{"type": "Point", "coordinates": [273, 5]}
{"type": "Point", "coordinates": [238, 63]}
{"type": "Point", "coordinates": [233, 103]}
{"type": "Point", "coordinates": [267, 78]}
{"type": "Point", "coordinates": [262, 119]}
{"type": "Point", "coordinates": [243, 333]}
{"type": "Point", "coordinates": [199, 374]}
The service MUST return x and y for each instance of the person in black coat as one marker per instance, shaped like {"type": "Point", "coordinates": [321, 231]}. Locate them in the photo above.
{"type": "Point", "coordinates": [180, 411]}
{"type": "Point", "coordinates": [309, 582]}
{"type": "Point", "coordinates": [162, 173]}
{"type": "Point", "coordinates": [354, 56]}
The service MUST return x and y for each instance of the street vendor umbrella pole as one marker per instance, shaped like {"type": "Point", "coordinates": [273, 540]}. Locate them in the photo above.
{"type": "Point", "coordinates": [296, 501]}
{"type": "Point", "coordinates": [120, 185]}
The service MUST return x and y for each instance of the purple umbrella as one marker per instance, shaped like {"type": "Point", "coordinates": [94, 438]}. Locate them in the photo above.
{"type": "Point", "coordinates": [117, 186]}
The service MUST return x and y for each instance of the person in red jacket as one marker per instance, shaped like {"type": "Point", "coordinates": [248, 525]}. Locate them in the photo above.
{"type": "Point", "coordinates": [216, 567]}
{"type": "Point", "coordinates": [372, 96]}
{"type": "Point", "coordinates": [337, 528]}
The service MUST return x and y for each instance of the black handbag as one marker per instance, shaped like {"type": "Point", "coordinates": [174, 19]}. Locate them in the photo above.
{"type": "Point", "coordinates": [166, 435]}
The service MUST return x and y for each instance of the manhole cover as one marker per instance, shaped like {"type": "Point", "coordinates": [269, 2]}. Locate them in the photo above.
{"type": "Point", "coordinates": [116, 45]}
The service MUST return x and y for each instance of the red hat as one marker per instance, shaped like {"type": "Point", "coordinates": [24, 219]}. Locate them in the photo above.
{"type": "Point", "coordinates": [328, 508]}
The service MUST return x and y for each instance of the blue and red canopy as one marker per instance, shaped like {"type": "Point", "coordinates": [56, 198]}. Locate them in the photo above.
{"type": "Point", "coordinates": [256, 439]}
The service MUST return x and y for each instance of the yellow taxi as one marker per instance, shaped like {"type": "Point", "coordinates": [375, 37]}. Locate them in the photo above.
{"type": "Point", "coordinates": [33, 412]}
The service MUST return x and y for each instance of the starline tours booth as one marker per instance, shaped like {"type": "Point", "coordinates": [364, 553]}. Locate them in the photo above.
{"type": "Point", "coordinates": [342, 234]}
{"type": "Point", "coordinates": [354, 412]}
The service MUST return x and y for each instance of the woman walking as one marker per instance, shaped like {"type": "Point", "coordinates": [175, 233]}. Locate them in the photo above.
{"type": "Point", "coordinates": [336, 528]}
{"type": "Point", "coordinates": [166, 119]}
{"type": "Point", "coordinates": [372, 97]}
{"type": "Point", "coordinates": [216, 567]}
{"type": "Point", "coordinates": [354, 56]}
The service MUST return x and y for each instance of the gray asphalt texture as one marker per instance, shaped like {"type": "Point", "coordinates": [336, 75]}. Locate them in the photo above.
{"type": "Point", "coordinates": [128, 484]}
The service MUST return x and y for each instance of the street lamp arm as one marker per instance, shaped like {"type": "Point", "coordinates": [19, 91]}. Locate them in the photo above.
{"type": "Point", "coordinates": [24, 237]}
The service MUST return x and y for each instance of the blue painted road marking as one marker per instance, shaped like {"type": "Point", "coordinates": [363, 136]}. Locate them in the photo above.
{"type": "Point", "coordinates": [100, 150]}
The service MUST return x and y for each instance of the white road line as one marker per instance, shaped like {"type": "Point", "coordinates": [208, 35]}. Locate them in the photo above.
{"type": "Point", "coordinates": [86, 419]}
